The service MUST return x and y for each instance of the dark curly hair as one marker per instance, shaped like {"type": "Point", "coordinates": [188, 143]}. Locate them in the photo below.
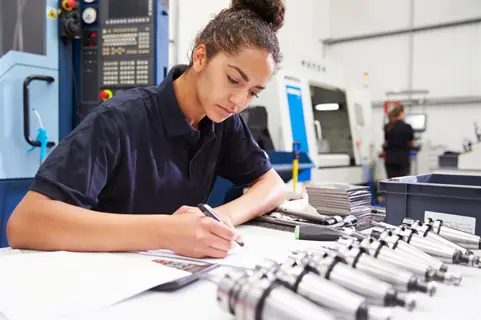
{"type": "Point", "coordinates": [246, 23]}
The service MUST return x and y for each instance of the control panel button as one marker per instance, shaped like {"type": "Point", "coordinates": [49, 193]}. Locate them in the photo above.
{"type": "Point", "coordinates": [72, 3]}
{"type": "Point", "coordinates": [89, 15]}
{"type": "Point", "coordinates": [68, 5]}
{"type": "Point", "coordinates": [90, 38]}
{"type": "Point", "coordinates": [106, 94]}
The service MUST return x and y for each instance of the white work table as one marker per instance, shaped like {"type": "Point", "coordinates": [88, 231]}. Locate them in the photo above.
{"type": "Point", "coordinates": [198, 301]}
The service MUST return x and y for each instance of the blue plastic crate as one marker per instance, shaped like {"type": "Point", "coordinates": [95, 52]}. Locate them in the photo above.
{"type": "Point", "coordinates": [412, 196]}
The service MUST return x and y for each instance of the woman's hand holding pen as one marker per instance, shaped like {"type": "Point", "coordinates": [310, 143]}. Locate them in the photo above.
{"type": "Point", "coordinates": [198, 236]}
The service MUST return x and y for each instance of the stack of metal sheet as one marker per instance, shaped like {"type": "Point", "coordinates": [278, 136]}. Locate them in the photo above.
{"type": "Point", "coordinates": [378, 214]}
{"type": "Point", "coordinates": [342, 200]}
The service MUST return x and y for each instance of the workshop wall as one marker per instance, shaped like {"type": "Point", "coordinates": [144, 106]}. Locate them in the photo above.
{"type": "Point", "coordinates": [444, 61]}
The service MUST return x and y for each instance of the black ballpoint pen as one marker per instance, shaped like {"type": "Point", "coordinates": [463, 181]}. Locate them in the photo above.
{"type": "Point", "coordinates": [207, 210]}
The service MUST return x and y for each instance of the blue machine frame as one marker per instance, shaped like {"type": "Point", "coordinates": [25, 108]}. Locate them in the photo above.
{"type": "Point", "coordinates": [298, 126]}
{"type": "Point", "coordinates": [17, 164]}
{"type": "Point", "coordinates": [54, 101]}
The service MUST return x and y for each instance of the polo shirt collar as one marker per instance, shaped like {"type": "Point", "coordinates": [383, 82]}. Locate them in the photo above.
{"type": "Point", "coordinates": [174, 120]}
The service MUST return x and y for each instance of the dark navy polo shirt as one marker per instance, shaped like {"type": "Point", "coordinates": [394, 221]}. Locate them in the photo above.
{"type": "Point", "coordinates": [137, 153]}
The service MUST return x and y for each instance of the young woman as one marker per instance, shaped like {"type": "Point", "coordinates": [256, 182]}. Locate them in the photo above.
{"type": "Point", "coordinates": [398, 139]}
{"type": "Point", "coordinates": [130, 175]}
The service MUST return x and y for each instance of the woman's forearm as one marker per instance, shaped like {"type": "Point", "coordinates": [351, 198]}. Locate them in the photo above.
{"type": "Point", "coordinates": [39, 223]}
{"type": "Point", "coordinates": [263, 196]}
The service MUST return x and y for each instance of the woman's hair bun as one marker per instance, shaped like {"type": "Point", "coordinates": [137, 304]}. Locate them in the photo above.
{"type": "Point", "coordinates": [270, 11]}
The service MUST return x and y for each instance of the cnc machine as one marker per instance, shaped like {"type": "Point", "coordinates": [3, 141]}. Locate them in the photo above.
{"type": "Point", "coordinates": [465, 162]}
{"type": "Point", "coordinates": [331, 122]}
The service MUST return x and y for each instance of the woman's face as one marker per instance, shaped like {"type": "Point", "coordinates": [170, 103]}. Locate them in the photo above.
{"type": "Point", "coordinates": [227, 84]}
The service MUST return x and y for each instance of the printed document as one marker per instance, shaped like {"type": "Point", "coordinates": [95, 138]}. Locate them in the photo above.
{"type": "Point", "coordinates": [57, 284]}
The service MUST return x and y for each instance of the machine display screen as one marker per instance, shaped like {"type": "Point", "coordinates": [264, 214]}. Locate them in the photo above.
{"type": "Point", "coordinates": [119, 9]}
{"type": "Point", "coordinates": [417, 121]}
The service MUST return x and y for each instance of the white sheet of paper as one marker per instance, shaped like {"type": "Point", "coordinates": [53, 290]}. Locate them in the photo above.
{"type": "Point", "coordinates": [9, 251]}
{"type": "Point", "coordinates": [56, 284]}
{"type": "Point", "coordinates": [270, 244]}
{"type": "Point", "coordinates": [168, 253]}
{"type": "Point", "coordinates": [238, 257]}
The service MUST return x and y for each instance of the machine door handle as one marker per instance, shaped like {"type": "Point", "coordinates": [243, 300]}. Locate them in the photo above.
{"type": "Point", "coordinates": [317, 124]}
{"type": "Point", "coordinates": [26, 108]}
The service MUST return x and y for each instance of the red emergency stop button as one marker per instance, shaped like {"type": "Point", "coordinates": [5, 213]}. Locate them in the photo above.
{"type": "Point", "coordinates": [69, 5]}
{"type": "Point", "coordinates": [72, 3]}
{"type": "Point", "coordinates": [106, 94]}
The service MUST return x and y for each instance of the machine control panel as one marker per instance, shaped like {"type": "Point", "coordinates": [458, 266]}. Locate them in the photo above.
{"type": "Point", "coordinates": [117, 49]}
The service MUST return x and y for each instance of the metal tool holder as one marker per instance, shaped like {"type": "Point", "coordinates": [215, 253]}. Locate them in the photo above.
{"type": "Point", "coordinates": [358, 278]}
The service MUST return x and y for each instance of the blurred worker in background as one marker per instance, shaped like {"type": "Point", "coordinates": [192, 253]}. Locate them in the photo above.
{"type": "Point", "coordinates": [398, 139]}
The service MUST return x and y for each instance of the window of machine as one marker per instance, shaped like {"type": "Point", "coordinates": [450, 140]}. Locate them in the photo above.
{"type": "Point", "coordinates": [417, 121]}
{"type": "Point", "coordinates": [119, 9]}
{"type": "Point", "coordinates": [22, 26]}
{"type": "Point", "coordinates": [331, 118]}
